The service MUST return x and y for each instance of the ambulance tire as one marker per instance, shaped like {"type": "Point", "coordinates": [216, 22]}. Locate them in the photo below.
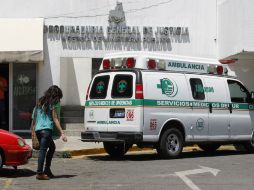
{"type": "Point", "coordinates": [209, 147]}
{"type": "Point", "coordinates": [248, 146]}
{"type": "Point", "coordinates": [116, 150]}
{"type": "Point", "coordinates": [239, 147]}
{"type": "Point", "coordinates": [171, 143]}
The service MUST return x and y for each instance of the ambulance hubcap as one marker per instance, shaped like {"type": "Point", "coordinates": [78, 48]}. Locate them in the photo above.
{"type": "Point", "coordinates": [173, 143]}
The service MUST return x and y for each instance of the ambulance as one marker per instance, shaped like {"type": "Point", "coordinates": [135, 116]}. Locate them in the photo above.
{"type": "Point", "coordinates": [167, 102]}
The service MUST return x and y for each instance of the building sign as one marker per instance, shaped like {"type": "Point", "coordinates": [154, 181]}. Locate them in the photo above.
{"type": "Point", "coordinates": [117, 32]}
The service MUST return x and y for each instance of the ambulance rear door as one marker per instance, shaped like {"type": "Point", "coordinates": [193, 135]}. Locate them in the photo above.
{"type": "Point", "coordinates": [97, 105]}
{"type": "Point", "coordinates": [125, 113]}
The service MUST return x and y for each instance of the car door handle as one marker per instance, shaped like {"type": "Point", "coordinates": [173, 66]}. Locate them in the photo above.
{"type": "Point", "coordinates": [230, 108]}
{"type": "Point", "coordinates": [210, 108]}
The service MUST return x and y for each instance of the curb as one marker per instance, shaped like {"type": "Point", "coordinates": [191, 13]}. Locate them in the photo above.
{"type": "Point", "coordinates": [93, 151]}
{"type": "Point", "coordinates": [86, 152]}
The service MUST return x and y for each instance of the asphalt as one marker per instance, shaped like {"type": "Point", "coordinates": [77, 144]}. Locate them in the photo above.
{"type": "Point", "coordinates": [75, 147]}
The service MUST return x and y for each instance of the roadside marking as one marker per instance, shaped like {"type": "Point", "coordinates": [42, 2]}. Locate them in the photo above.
{"type": "Point", "coordinates": [7, 184]}
{"type": "Point", "coordinates": [183, 175]}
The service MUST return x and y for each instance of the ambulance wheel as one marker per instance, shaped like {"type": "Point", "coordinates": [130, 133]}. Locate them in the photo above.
{"type": "Point", "coordinates": [248, 146]}
{"type": "Point", "coordinates": [171, 143]}
{"type": "Point", "coordinates": [209, 147]}
{"type": "Point", "coordinates": [116, 150]}
{"type": "Point", "coordinates": [239, 147]}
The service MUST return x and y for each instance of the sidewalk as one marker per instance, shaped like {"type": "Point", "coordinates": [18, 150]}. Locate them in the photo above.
{"type": "Point", "coordinates": [73, 147]}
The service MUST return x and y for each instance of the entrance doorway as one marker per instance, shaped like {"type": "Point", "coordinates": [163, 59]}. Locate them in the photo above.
{"type": "Point", "coordinates": [4, 96]}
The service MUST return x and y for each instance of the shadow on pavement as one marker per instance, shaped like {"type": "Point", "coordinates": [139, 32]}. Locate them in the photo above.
{"type": "Point", "coordinates": [155, 156]}
{"type": "Point", "coordinates": [64, 176]}
{"type": "Point", "coordinates": [11, 173]}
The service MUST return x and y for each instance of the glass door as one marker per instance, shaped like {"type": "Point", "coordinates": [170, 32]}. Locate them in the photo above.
{"type": "Point", "coordinates": [23, 95]}
{"type": "Point", "coordinates": [4, 96]}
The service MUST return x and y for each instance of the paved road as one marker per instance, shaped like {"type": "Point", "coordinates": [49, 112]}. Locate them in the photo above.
{"type": "Point", "coordinates": [233, 171]}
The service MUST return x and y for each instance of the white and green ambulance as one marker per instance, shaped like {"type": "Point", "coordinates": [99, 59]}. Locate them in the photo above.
{"type": "Point", "coordinates": [167, 102]}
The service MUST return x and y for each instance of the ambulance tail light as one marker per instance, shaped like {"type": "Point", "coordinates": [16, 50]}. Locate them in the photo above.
{"type": "Point", "coordinates": [151, 64]}
{"type": "Point", "coordinates": [130, 62]}
{"type": "Point", "coordinates": [139, 91]}
{"type": "Point", "coordinates": [219, 70]}
{"type": "Point", "coordinates": [106, 64]}
{"type": "Point", "coordinates": [87, 91]}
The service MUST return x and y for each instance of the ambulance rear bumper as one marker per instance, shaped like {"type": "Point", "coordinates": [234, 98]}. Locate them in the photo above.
{"type": "Point", "coordinates": [132, 137]}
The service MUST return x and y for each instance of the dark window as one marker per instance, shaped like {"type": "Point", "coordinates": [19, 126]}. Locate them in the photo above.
{"type": "Point", "coordinates": [24, 94]}
{"type": "Point", "coordinates": [100, 87]}
{"type": "Point", "coordinates": [122, 86]}
{"type": "Point", "coordinates": [238, 93]}
{"type": "Point", "coordinates": [197, 89]}
{"type": "Point", "coordinates": [96, 63]}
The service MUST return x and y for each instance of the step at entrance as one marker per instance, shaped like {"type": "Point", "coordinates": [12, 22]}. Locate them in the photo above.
{"type": "Point", "coordinates": [72, 120]}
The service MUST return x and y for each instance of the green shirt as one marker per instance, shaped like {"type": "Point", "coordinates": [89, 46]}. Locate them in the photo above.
{"type": "Point", "coordinates": [44, 120]}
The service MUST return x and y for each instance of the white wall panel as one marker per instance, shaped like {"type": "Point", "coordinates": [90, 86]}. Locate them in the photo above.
{"type": "Point", "coordinates": [236, 26]}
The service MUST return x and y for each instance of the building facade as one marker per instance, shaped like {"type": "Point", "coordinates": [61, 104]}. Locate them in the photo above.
{"type": "Point", "coordinates": [62, 42]}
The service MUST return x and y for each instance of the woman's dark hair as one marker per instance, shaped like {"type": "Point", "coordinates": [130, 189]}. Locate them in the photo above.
{"type": "Point", "coordinates": [51, 97]}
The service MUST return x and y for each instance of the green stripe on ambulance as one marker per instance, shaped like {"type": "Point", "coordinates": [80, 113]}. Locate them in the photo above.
{"type": "Point", "coordinates": [166, 103]}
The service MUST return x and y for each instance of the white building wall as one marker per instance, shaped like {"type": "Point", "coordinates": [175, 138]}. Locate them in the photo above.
{"type": "Point", "coordinates": [72, 80]}
{"type": "Point", "coordinates": [198, 16]}
{"type": "Point", "coordinates": [236, 27]}
{"type": "Point", "coordinates": [235, 36]}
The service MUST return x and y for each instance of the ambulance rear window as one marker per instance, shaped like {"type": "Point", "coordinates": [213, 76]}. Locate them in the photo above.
{"type": "Point", "coordinates": [100, 87]}
{"type": "Point", "coordinates": [122, 86]}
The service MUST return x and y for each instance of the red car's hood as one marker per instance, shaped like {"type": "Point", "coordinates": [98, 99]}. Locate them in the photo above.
{"type": "Point", "coordinates": [7, 133]}
{"type": "Point", "coordinates": [9, 137]}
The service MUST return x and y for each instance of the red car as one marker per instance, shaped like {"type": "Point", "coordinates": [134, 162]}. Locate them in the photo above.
{"type": "Point", "coordinates": [13, 150]}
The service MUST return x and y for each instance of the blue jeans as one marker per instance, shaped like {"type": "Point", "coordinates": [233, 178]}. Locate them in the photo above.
{"type": "Point", "coordinates": [47, 149]}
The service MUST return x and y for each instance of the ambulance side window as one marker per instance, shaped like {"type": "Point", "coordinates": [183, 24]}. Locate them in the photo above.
{"type": "Point", "coordinates": [197, 89]}
{"type": "Point", "coordinates": [238, 93]}
{"type": "Point", "coordinates": [100, 87]}
{"type": "Point", "coordinates": [122, 86]}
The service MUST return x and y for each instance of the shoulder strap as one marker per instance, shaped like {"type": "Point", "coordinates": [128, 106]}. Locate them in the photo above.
{"type": "Point", "coordinates": [34, 118]}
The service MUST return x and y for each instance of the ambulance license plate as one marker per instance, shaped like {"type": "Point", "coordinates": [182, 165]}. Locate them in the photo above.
{"type": "Point", "coordinates": [117, 113]}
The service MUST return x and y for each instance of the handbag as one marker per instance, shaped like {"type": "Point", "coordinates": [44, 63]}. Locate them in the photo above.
{"type": "Point", "coordinates": [35, 141]}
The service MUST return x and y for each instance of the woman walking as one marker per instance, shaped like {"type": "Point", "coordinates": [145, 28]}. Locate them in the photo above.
{"type": "Point", "coordinates": [44, 118]}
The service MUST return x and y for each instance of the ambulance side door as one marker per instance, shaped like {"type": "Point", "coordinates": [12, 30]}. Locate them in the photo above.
{"type": "Point", "coordinates": [215, 90]}
{"type": "Point", "coordinates": [198, 113]}
{"type": "Point", "coordinates": [241, 125]}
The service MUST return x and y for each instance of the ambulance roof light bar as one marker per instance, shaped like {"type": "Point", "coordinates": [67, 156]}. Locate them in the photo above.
{"type": "Point", "coordinates": [118, 63]}
{"type": "Point", "coordinates": [153, 63]}
{"type": "Point", "coordinates": [106, 64]}
{"type": "Point", "coordinates": [217, 69]}
{"type": "Point", "coordinates": [130, 62]}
